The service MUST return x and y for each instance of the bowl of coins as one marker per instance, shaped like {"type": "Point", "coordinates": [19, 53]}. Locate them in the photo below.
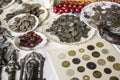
{"type": "Point", "coordinates": [23, 23]}
{"type": "Point", "coordinates": [68, 29]}
{"type": "Point", "coordinates": [6, 3]}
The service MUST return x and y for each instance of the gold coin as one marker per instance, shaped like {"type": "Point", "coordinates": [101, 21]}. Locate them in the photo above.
{"type": "Point", "coordinates": [111, 58]}
{"type": "Point", "coordinates": [97, 74]}
{"type": "Point", "coordinates": [70, 72]}
{"type": "Point", "coordinates": [114, 78]}
{"type": "Point", "coordinates": [99, 44]}
{"type": "Point", "coordinates": [72, 53]}
{"type": "Point", "coordinates": [86, 77]}
{"type": "Point", "coordinates": [86, 57]}
{"type": "Point", "coordinates": [101, 62]}
{"type": "Point", "coordinates": [116, 66]}
{"type": "Point", "coordinates": [81, 50]}
{"type": "Point", "coordinates": [66, 64]}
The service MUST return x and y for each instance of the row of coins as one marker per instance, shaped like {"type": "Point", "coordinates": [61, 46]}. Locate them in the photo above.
{"type": "Point", "coordinates": [91, 65]}
{"type": "Point", "coordinates": [97, 74]}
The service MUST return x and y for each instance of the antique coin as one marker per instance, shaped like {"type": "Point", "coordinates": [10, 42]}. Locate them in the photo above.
{"type": "Point", "coordinates": [81, 69]}
{"type": "Point", "coordinates": [90, 47]}
{"type": "Point", "coordinates": [99, 44]}
{"type": "Point", "coordinates": [96, 54]}
{"type": "Point", "coordinates": [91, 65]}
{"type": "Point", "coordinates": [71, 53]}
{"type": "Point", "coordinates": [86, 77]}
{"type": "Point", "coordinates": [81, 50]}
{"type": "Point", "coordinates": [101, 62]}
{"type": "Point", "coordinates": [114, 78]}
{"type": "Point", "coordinates": [97, 74]}
{"type": "Point", "coordinates": [105, 51]}
{"type": "Point", "coordinates": [107, 70]}
{"type": "Point", "coordinates": [111, 58]}
{"type": "Point", "coordinates": [65, 63]}
{"type": "Point", "coordinates": [75, 78]}
{"type": "Point", "coordinates": [86, 57]}
{"type": "Point", "coordinates": [70, 72]}
{"type": "Point", "coordinates": [116, 66]}
{"type": "Point", "coordinates": [76, 60]}
{"type": "Point", "coordinates": [61, 56]}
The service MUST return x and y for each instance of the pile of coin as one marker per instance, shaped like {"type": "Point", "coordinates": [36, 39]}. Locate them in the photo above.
{"type": "Point", "coordinates": [23, 24]}
{"type": "Point", "coordinates": [69, 28]}
{"type": "Point", "coordinates": [4, 3]}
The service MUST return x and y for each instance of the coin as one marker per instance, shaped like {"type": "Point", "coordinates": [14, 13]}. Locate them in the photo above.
{"type": "Point", "coordinates": [70, 72]}
{"type": "Point", "coordinates": [101, 62]}
{"type": "Point", "coordinates": [105, 51]}
{"type": "Point", "coordinates": [90, 47]}
{"type": "Point", "coordinates": [111, 58]}
{"type": "Point", "coordinates": [97, 74]}
{"type": "Point", "coordinates": [86, 57]}
{"type": "Point", "coordinates": [76, 60]}
{"type": "Point", "coordinates": [107, 70]}
{"type": "Point", "coordinates": [114, 78]}
{"type": "Point", "coordinates": [81, 69]}
{"type": "Point", "coordinates": [71, 53]}
{"type": "Point", "coordinates": [95, 54]}
{"type": "Point", "coordinates": [81, 50]}
{"type": "Point", "coordinates": [86, 77]}
{"type": "Point", "coordinates": [61, 56]}
{"type": "Point", "coordinates": [99, 44]}
{"type": "Point", "coordinates": [91, 65]}
{"type": "Point", "coordinates": [65, 63]}
{"type": "Point", "coordinates": [116, 66]}
{"type": "Point", "coordinates": [74, 78]}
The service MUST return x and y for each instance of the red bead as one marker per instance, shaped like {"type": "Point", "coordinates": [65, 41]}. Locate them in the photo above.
{"type": "Point", "coordinates": [61, 11]}
{"type": "Point", "coordinates": [55, 7]}
{"type": "Point", "coordinates": [67, 10]}
{"type": "Point", "coordinates": [56, 10]}
{"type": "Point", "coordinates": [60, 5]}
{"type": "Point", "coordinates": [65, 5]}
{"type": "Point", "coordinates": [77, 9]}
{"type": "Point", "coordinates": [64, 8]}
{"type": "Point", "coordinates": [72, 9]}
{"type": "Point", "coordinates": [70, 5]}
{"type": "Point", "coordinates": [74, 6]}
{"type": "Point", "coordinates": [80, 6]}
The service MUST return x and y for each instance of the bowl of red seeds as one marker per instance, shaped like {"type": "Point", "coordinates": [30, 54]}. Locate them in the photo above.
{"type": "Point", "coordinates": [30, 41]}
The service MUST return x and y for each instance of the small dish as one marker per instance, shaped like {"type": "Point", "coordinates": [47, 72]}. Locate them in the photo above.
{"type": "Point", "coordinates": [43, 16]}
{"type": "Point", "coordinates": [38, 46]}
{"type": "Point", "coordinates": [9, 4]}
{"type": "Point", "coordinates": [24, 28]}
